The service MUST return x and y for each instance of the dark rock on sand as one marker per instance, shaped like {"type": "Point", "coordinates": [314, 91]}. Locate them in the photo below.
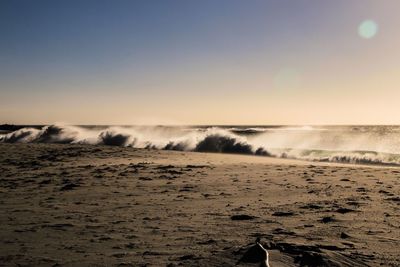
{"type": "Point", "coordinates": [344, 210]}
{"type": "Point", "coordinates": [344, 235]}
{"type": "Point", "coordinates": [327, 219]}
{"type": "Point", "coordinates": [254, 253]}
{"type": "Point", "coordinates": [242, 217]}
{"type": "Point", "coordinates": [283, 213]}
{"type": "Point", "coordinates": [69, 186]}
{"type": "Point", "coordinates": [187, 257]}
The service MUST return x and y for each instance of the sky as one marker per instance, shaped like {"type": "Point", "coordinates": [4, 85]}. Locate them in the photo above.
{"type": "Point", "coordinates": [207, 62]}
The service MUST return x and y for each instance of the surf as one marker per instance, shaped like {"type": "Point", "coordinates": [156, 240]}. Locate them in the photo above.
{"type": "Point", "coordinates": [346, 144]}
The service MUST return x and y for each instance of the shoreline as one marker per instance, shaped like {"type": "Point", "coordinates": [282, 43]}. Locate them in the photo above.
{"type": "Point", "coordinates": [244, 157]}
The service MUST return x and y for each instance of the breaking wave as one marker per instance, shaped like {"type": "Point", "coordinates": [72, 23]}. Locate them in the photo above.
{"type": "Point", "coordinates": [346, 144]}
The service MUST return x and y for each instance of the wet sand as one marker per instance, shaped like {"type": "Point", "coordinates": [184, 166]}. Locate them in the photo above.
{"type": "Point", "coordinates": [81, 205]}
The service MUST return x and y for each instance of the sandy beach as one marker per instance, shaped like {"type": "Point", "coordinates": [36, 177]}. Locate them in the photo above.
{"type": "Point", "coordinates": [206, 133]}
{"type": "Point", "coordinates": [81, 205]}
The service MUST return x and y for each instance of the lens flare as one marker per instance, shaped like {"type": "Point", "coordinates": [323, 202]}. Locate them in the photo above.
{"type": "Point", "coordinates": [368, 29]}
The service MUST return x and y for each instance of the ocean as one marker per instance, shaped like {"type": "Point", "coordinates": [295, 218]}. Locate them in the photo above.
{"type": "Point", "coordinates": [346, 144]}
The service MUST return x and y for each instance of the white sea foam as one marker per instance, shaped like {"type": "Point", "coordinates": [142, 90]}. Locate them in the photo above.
{"type": "Point", "coordinates": [351, 144]}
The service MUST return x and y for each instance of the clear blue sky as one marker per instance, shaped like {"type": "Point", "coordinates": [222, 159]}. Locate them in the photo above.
{"type": "Point", "coordinates": [199, 62]}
